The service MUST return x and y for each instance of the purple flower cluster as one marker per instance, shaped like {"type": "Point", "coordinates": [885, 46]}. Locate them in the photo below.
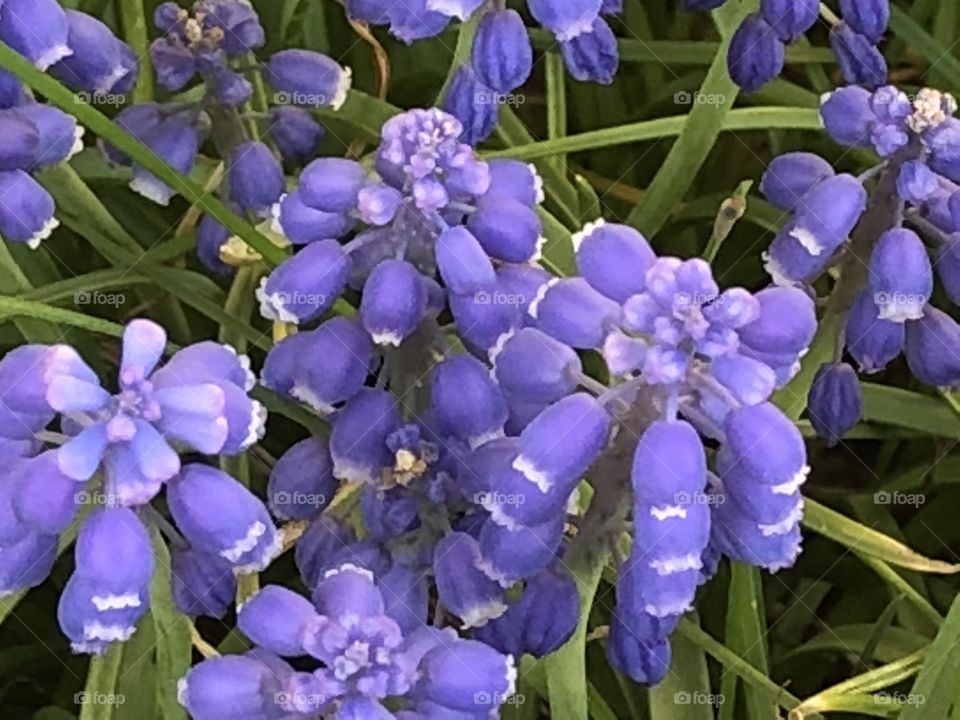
{"type": "Point", "coordinates": [83, 53]}
{"type": "Point", "coordinates": [117, 451]}
{"type": "Point", "coordinates": [703, 363]}
{"type": "Point", "coordinates": [365, 655]}
{"type": "Point", "coordinates": [915, 184]}
{"type": "Point", "coordinates": [432, 206]}
{"type": "Point", "coordinates": [202, 43]}
{"type": "Point", "coordinates": [474, 475]}
{"type": "Point", "coordinates": [757, 50]}
{"type": "Point", "coordinates": [502, 56]}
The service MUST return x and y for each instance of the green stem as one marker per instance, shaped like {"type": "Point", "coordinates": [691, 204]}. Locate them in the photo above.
{"type": "Point", "coordinates": [134, 21]}
{"type": "Point", "coordinates": [737, 665]}
{"type": "Point", "coordinates": [759, 118]}
{"type": "Point", "coordinates": [556, 102]}
{"type": "Point", "coordinates": [58, 95]}
{"type": "Point", "coordinates": [18, 282]}
{"type": "Point", "coordinates": [836, 698]}
{"type": "Point", "coordinates": [897, 582]}
{"type": "Point", "coordinates": [731, 211]}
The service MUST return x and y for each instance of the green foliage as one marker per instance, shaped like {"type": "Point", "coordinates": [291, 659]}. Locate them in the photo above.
{"type": "Point", "coordinates": [866, 623]}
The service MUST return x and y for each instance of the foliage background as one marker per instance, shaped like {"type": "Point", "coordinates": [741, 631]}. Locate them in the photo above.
{"type": "Point", "coordinates": [865, 623]}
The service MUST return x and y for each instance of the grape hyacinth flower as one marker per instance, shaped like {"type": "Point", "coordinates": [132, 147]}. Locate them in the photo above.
{"type": "Point", "coordinates": [365, 656]}
{"type": "Point", "coordinates": [757, 50]}
{"type": "Point", "coordinates": [432, 207]}
{"type": "Point", "coordinates": [108, 592]}
{"type": "Point", "coordinates": [912, 195]}
{"type": "Point", "coordinates": [36, 135]}
{"type": "Point", "coordinates": [99, 63]}
{"type": "Point", "coordinates": [197, 401]}
{"type": "Point", "coordinates": [198, 398]}
{"type": "Point", "coordinates": [501, 57]}
{"type": "Point", "coordinates": [213, 42]}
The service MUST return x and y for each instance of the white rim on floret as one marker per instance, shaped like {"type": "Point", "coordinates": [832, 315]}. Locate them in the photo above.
{"type": "Point", "coordinates": [343, 89]}
{"type": "Point", "coordinates": [537, 184]}
{"type": "Point", "coordinates": [480, 614]}
{"type": "Point", "coordinates": [810, 242]}
{"type": "Point", "coordinates": [116, 602]}
{"type": "Point", "coordinates": [52, 56]}
{"type": "Point", "coordinates": [350, 471]}
{"type": "Point", "coordinates": [273, 306]}
{"type": "Point", "coordinates": [666, 512]}
{"type": "Point", "coordinates": [245, 544]}
{"type": "Point", "coordinates": [152, 189]}
{"type": "Point", "coordinates": [785, 525]}
{"type": "Point", "coordinates": [529, 470]}
{"type": "Point", "coordinates": [673, 565]}
{"type": "Point", "coordinates": [581, 26]}
{"type": "Point", "coordinates": [539, 297]}
{"type": "Point", "coordinates": [257, 427]}
{"type": "Point", "coordinates": [78, 132]}
{"type": "Point", "coordinates": [676, 608]}
{"type": "Point", "coordinates": [48, 227]}
{"type": "Point", "coordinates": [793, 484]}
{"type": "Point", "coordinates": [308, 397]}
{"type": "Point", "coordinates": [587, 231]}
{"type": "Point", "coordinates": [269, 553]}
{"type": "Point", "coordinates": [351, 568]}
{"type": "Point", "coordinates": [483, 438]}
{"type": "Point", "coordinates": [387, 337]}
{"type": "Point", "coordinates": [450, 8]}
{"type": "Point", "coordinates": [497, 348]}
{"type": "Point", "coordinates": [116, 74]}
